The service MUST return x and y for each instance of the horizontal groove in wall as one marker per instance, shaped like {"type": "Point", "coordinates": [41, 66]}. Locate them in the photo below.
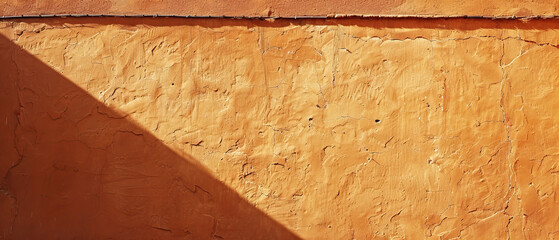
{"type": "Point", "coordinates": [290, 17]}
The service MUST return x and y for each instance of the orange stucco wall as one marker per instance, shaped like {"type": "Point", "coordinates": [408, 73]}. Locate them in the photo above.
{"type": "Point", "coordinates": [381, 128]}
{"type": "Point", "coordinates": [286, 8]}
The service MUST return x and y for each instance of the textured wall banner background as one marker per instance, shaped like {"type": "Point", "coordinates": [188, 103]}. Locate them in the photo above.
{"type": "Point", "coordinates": [376, 128]}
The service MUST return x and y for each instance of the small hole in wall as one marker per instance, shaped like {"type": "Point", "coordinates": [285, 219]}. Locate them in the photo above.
{"type": "Point", "coordinates": [173, 84]}
{"type": "Point", "coordinates": [377, 120]}
{"type": "Point", "coordinates": [310, 119]}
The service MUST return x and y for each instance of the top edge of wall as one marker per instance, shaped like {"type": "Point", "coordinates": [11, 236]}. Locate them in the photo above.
{"type": "Point", "coordinates": [509, 9]}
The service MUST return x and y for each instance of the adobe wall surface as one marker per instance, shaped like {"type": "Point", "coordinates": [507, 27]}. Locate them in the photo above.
{"type": "Point", "coordinates": [285, 8]}
{"type": "Point", "coordinates": [338, 129]}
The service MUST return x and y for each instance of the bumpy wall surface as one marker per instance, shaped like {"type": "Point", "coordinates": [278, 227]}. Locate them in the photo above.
{"type": "Point", "coordinates": [286, 8]}
{"type": "Point", "coordinates": [249, 129]}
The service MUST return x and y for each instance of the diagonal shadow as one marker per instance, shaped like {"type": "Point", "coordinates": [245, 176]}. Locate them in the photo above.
{"type": "Point", "coordinates": [74, 169]}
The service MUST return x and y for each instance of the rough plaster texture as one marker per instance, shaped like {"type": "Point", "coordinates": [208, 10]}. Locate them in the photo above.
{"type": "Point", "coordinates": [338, 129]}
{"type": "Point", "coordinates": [284, 8]}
